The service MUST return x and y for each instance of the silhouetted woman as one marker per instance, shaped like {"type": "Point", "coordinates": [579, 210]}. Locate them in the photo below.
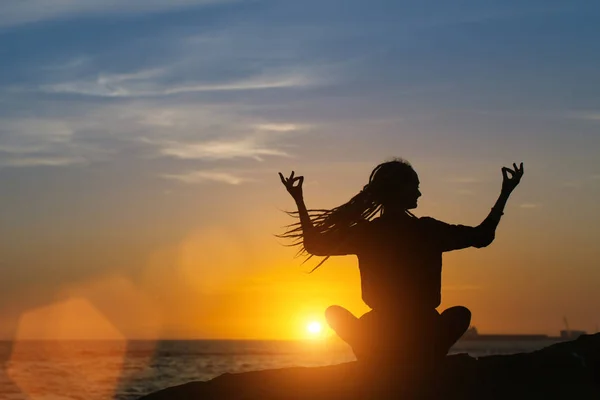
{"type": "Point", "coordinates": [400, 261]}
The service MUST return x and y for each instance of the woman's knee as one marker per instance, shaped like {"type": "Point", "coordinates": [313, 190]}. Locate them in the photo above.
{"type": "Point", "coordinates": [457, 318]}
{"type": "Point", "coordinates": [458, 313]}
{"type": "Point", "coordinates": [332, 313]}
{"type": "Point", "coordinates": [338, 316]}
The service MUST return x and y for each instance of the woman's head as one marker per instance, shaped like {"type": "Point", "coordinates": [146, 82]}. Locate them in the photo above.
{"type": "Point", "coordinates": [394, 185]}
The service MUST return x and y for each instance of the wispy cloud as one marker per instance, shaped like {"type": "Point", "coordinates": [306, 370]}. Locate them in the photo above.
{"type": "Point", "coordinates": [70, 64]}
{"type": "Point", "coordinates": [51, 142]}
{"type": "Point", "coordinates": [179, 131]}
{"type": "Point", "coordinates": [588, 115]}
{"type": "Point", "coordinates": [143, 85]}
{"type": "Point", "coordinates": [15, 12]}
{"type": "Point", "coordinates": [219, 150]}
{"type": "Point", "coordinates": [529, 205]}
{"type": "Point", "coordinates": [35, 142]}
{"type": "Point", "coordinates": [39, 161]}
{"type": "Point", "coordinates": [280, 127]}
{"type": "Point", "coordinates": [195, 177]}
{"type": "Point", "coordinates": [48, 130]}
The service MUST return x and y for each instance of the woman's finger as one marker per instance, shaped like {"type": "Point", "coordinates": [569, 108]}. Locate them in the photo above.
{"type": "Point", "coordinates": [298, 179]}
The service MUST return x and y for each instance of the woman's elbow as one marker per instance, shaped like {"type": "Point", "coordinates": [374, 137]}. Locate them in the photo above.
{"type": "Point", "coordinates": [313, 248]}
{"type": "Point", "coordinates": [484, 240]}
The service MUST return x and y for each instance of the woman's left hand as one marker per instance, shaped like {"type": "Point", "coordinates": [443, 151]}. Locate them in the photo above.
{"type": "Point", "coordinates": [509, 183]}
{"type": "Point", "coordinates": [295, 191]}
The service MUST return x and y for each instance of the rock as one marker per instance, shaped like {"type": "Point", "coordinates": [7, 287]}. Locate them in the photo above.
{"type": "Point", "coordinates": [567, 370]}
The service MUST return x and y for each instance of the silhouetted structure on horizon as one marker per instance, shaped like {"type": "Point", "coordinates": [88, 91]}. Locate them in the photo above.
{"type": "Point", "coordinates": [473, 334]}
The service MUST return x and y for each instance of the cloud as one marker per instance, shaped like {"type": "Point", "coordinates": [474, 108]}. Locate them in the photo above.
{"type": "Point", "coordinates": [38, 161]}
{"type": "Point", "coordinates": [142, 85]}
{"type": "Point", "coordinates": [194, 177]}
{"type": "Point", "coordinates": [36, 130]}
{"type": "Point", "coordinates": [49, 142]}
{"type": "Point", "coordinates": [73, 63]}
{"type": "Point", "coordinates": [164, 118]}
{"type": "Point", "coordinates": [588, 116]}
{"type": "Point", "coordinates": [15, 12]}
{"type": "Point", "coordinates": [83, 134]}
{"type": "Point", "coordinates": [219, 150]}
{"type": "Point", "coordinates": [36, 142]}
{"type": "Point", "coordinates": [280, 127]}
{"type": "Point", "coordinates": [529, 205]}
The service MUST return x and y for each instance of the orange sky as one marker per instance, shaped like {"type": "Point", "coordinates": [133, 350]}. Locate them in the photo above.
{"type": "Point", "coordinates": [235, 280]}
{"type": "Point", "coordinates": [139, 195]}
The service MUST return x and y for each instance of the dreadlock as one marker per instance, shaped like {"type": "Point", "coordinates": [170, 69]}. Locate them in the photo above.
{"type": "Point", "coordinates": [362, 207]}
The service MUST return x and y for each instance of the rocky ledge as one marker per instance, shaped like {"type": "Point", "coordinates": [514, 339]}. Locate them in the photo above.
{"type": "Point", "coordinates": [567, 370]}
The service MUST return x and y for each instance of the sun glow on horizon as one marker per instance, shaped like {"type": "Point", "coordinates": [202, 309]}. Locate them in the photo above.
{"type": "Point", "coordinates": [314, 328]}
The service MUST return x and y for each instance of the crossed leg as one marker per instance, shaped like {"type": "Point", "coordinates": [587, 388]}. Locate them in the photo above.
{"type": "Point", "coordinates": [344, 323]}
{"type": "Point", "coordinates": [454, 322]}
{"type": "Point", "coordinates": [361, 334]}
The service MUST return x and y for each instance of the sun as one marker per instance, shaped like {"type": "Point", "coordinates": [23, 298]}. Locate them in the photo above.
{"type": "Point", "coordinates": [314, 328]}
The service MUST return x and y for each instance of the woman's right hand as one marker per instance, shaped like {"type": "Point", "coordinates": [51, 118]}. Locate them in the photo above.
{"type": "Point", "coordinates": [295, 191]}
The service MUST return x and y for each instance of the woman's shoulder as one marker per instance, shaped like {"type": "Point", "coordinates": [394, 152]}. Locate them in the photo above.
{"type": "Point", "coordinates": [430, 221]}
{"type": "Point", "coordinates": [431, 224]}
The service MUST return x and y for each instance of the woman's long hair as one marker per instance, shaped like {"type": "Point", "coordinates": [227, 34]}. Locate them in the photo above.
{"type": "Point", "coordinates": [362, 207]}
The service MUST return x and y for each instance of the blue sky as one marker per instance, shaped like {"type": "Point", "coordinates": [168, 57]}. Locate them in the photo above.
{"type": "Point", "coordinates": [126, 125]}
{"type": "Point", "coordinates": [94, 82]}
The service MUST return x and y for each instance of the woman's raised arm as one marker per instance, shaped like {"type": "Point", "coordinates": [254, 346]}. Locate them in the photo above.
{"type": "Point", "coordinates": [454, 237]}
{"type": "Point", "coordinates": [315, 242]}
{"type": "Point", "coordinates": [487, 229]}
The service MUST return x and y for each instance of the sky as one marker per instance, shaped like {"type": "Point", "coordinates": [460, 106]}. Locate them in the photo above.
{"type": "Point", "coordinates": [140, 143]}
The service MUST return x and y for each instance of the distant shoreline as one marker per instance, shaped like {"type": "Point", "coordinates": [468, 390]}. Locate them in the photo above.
{"type": "Point", "coordinates": [466, 338]}
{"type": "Point", "coordinates": [516, 337]}
{"type": "Point", "coordinates": [473, 335]}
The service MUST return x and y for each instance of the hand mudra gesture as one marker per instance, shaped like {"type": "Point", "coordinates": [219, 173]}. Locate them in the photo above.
{"type": "Point", "coordinates": [509, 183]}
{"type": "Point", "coordinates": [295, 191]}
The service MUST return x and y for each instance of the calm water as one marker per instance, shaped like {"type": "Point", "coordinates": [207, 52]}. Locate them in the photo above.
{"type": "Point", "coordinates": [94, 370]}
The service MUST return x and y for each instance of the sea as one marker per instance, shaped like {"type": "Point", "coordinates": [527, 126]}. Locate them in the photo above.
{"type": "Point", "coordinates": [126, 370]}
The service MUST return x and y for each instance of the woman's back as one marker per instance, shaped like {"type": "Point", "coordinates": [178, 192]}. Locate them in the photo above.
{"type": "Point", "coordinates": [400, 265]}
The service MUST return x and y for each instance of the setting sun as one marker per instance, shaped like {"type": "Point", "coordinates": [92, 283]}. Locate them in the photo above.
{"type": "Point", "coordinates": [314, 328]}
